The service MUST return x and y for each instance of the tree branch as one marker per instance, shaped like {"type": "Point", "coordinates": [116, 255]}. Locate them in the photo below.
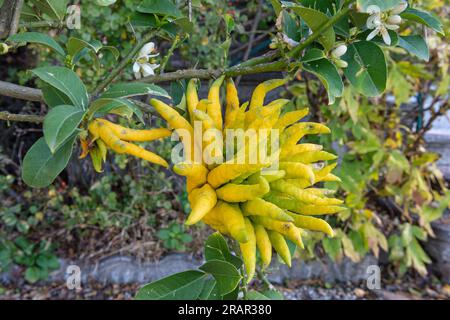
{"type": "Point", "coordinates": [4, 115]}
{"type": "Point", "coordinates": [20, 92]}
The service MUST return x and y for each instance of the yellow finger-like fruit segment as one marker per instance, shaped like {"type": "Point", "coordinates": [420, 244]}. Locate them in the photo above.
{"type": "Point", "coordinates": [287, 151]}
{"type": "Point", "coordinates": [292, 204]}
{"type": "Point", "coordinates": [197, 173]}
{"type": "Point", "coordinates": [261, 90]}
{"type": "Point", "coordinates": [128, 134]}
{"type": "Point", "coordinates": [214, 109]}
{"type": "Point", "coordinates": [302, 195]}
{"type": "Point", "coordinates": [229, 171]}
{"type": "Point", "coordinates": [202, 200]}
{"type": "Point", "coordinates": [191, 97]}
{"type": "Point", "coordinates": [290, 118]}
{"type": "Point", "coordinates": [288, 229]}
{"type": "Point", "coordinates": [248, 250]}
{"type": "Point", "coordinates": [113, 142]}
{"type": "Point", "coordinates": [173, 118]}
{"type": "Point", "coordinates": [230, 218]}
{"type": "Point", "coordinates": [298, 170]}
{"type": "Point", "coordinates": [280, 246]}
{"type": "Point", "coordinates": [260, 207]}
{"type": "Point", "coordinates": [311, 223]}
{"type": "Point", "coordinates": [297, 131]}
{"type": "Point", "coordinates": [241, 192]}
{"type": "Point", "coordinates": [263, 244]}
{"type": "Point", "coordinates": [232, 106]}
{"type": "Point", "coordinates": [313, 156]}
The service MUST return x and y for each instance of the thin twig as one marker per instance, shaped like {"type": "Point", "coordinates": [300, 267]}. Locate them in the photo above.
{"type": "Point", "coordinates": [5, 115]}
{"type": "Point", "coordinates": [166, 58]}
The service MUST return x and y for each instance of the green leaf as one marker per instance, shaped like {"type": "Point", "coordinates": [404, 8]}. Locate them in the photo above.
{"type": "Point", "coordinates": [226, 275]}
{"type": "Point", "coordinates": [276, 6]}
{"type": "Point", "coordinates": [54, 9]}
{"type": "Point", "coordinates": [160, 7]}
{"type": "Point", "coordinates": [125, 90]}
{"type": "Point", "coordinates": [41, 166]}
{"type": "Point", "coordinates": [60, 123]}
{"type": "Point", "coordinates": [105, 3]}
{"type": "Point", "coordinates": [185, 285]}
{"type": "Point", "coordinates": [36, 37]}
{"type": "Point", "coordinates": [424, 18]}
{"type": "Point", "coordinates": [66, 81]}
{"type": "Point", "coordinates": [315, 19]}
{"type": "Point", "coordinates": [53, 97]}
{"type": "Point", "coordinates": [33, 274]}
{"type": "Point", "coordinates": [382, 4]}
{"type": "Point", "coordinates": [415, 45]}
{"type": "Point", "coordinates": [367, 68]}
{"type": "Point", "coordinates": [75, 45]}
{"type": "Point", "coordinates": [146, 20]}
{"type": "Point", "coordinates": [273, 294]}
{"type": "Point", "coordinates": [210, 291]}
{"type": "Point", "coordinates": [328, 75]}
{"type": "Point", "coordinates": [255, 295]}
{"type": "Point", "coordinates": [216, 248]}
{"type": "Point", "coordinates": [122, 107]}
{"type": "Point", "coordinates": [313, 54]}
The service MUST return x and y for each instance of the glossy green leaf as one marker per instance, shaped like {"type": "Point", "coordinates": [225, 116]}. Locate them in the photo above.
{"type": "Point", "coordinates": [122, 107]}
{"type": "Point", "coordinates": [40, 38]}
{"type": "Point", "coordinates": [55, 9]}
{"type": "Point", "coordinates": [367, 68]}
{"type": "Point", "coordinates": [185, 285]}
{"type": "Point", "coordinates": [315, 19]}
{"type": "Point", "coordinates": [60, 123]}
{"type": "Point", "coordinates": [160, 7]}
{"type": "Point", "coordinates": [225, 274]}
{"type": "Point", "coordinates": [210, 291]}
{"type": "Point", "coordinates": [424, 18]}
{"type": "Point", "coordinates": [415, 45]}
{"type": "Point", "coordinates": [255, 295]}
{"type": "Point", "coordinates": [130, 89]}
{"type": "Point", "coordinates": [53, 97]}
{"type": "Point", "coordinates": [40, 166]}
{"type": "Point", "coordinates": [66, 81]}
{"type": "Point", "coordinates": [216, 248]}
{"type": "Point", "coordinates": [75, 45]}
{"type": "Point", "coordinates": [328, 75]}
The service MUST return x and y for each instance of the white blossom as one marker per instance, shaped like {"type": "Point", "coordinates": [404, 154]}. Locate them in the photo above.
{"type": "Point", "coordinates": [142, 67]}
{"type": "Point", "coordinates": [382, 21]}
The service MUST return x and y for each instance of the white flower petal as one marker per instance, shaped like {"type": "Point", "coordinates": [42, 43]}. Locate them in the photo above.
{"type": "Point", "coordinates": [373, 21]}
{"type": "Point", "coordinates": [137, 75]}
{"type": "Point", "coordinates": [136, 67]}
{"type": "Point", "coordinates": [147, 70]}
{"type": "Point", "coordinates": [147, 49]}
{"type": "Point", "coordinates": [289, 41]}
{"type": "Point", "coordinates": [154, 66]}
{"type": "Point", "coordinates": [373, 34]}
{"type": "Point", "coordinates": [385, 35]}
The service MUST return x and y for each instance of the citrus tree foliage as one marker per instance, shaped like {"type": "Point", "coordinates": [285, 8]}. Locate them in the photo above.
{"type": "Point", "coordinates": [352, 53]}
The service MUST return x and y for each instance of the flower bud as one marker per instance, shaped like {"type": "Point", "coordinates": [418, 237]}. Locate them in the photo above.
{"type": "Point", "coordinates": [395, 19]}
{"type": "Point", "coordinates": [339, 51]}
{"type": "Point", "coordinates": [341, 63]}
{"type": "Point", "coordinates": [4, 48]}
